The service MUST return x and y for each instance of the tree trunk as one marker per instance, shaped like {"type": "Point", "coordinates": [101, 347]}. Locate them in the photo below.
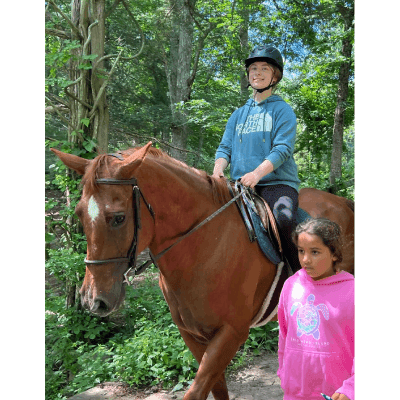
{"type": "Point", "coordinates": [179, 71]}
{"type": "Point", "coordinates": [80, 88]}
{"type": "Point", "coordinates": [181, 66]}
{"type": "Point", "coordinates": [88, 100]}
{"type": "Point", "coordinates": [100, 122]}
{"type": "Point", "coordinates": [343, 88]}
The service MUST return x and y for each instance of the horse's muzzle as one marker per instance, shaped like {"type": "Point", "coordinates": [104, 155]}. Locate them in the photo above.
{"type": "Point", "coordinates": [102, 301]}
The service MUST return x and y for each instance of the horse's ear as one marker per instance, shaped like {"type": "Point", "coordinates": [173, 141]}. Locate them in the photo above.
{"type": "Point", "coordinates": [134, 160]}
{"type": "Point", "coordinates": [75, 163]}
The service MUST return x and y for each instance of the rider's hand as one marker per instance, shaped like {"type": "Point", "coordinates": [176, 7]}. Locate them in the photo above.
{"type": "Point", "coordinates": [339, 396]}
{"type": "Point", "coordinates": [218, 175]}
{"type": "Point", "coordinates": [250, 179]}
{"type": "Point", "coordinates": [220, 165]}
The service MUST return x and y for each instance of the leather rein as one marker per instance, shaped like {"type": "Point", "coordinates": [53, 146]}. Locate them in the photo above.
{"type": "Point", "coordinates": [131, 257]}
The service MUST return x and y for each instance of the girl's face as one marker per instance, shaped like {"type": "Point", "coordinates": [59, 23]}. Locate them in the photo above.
{"type": "Point", "coordinates": [315, 257]}
{"type": "Point", "coordinates": [260, 74]}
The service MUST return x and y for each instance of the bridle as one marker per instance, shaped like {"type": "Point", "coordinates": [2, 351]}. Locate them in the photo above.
{"type": "Point", "coordinates": [131, 257]}
{"type": "Point", "coordinates": [132, 252]}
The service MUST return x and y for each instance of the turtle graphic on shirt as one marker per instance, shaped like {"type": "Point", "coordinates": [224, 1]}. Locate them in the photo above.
{"type": "Point", "coordinates": [308, 319]}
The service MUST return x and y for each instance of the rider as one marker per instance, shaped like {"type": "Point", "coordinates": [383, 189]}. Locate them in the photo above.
{"type": "Point", "coordinates": [259, 142]}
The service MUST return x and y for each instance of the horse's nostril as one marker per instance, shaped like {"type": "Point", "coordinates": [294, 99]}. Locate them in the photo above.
{"type": "Point", "coordinates": [102, 306]}
{"type": "Point", "coordinates": [99, 307]}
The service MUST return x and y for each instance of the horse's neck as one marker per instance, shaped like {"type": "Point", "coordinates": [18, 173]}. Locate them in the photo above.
{"type": "Point", "coordinates": [178, 197]}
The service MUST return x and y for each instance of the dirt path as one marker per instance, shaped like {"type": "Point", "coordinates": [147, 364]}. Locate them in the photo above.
{"type": "Point", "coordinates": [256, 381]}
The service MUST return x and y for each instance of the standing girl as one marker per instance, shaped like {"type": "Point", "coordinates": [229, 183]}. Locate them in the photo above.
{"type": "Point", "coordinates": [316, 319]}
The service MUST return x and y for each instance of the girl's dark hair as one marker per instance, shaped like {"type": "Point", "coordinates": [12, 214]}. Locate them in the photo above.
{"type": "Point", "coordinates": [327, 230]}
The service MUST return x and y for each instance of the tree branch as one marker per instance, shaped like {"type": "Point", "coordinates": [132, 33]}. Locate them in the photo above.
{"type": "Point", "coordinates": [199, 49]}
{"type": "Point", "coordinates": [103, 86]}
{"type": "Point", "coordinates": [153, 139]}
{"type": "Point", "coordinates": [112, 8]}
{"type": "Point", "coordinates": [137, 26]}
{"type": "Point", "coordinates": [52, 109]}
{"type": "Point", "coordinates": [108, 56]}
{"type": "Point", "coordinates": [73, 27]}
{"type": "Point", "coordinates": [58, 33]}
{"type": "Point", "coordinates": [49, 138]}
{"type": "Point", "coordinates": [58, 113]}
{"type": "Point", "coordinates": [89, 38]}
{"type": "Point", "coordinates": [73, 96]}
{"type": "Point", "coordinates": [58, 99]}
{"type": "Point", "coordinates": [192, 12]}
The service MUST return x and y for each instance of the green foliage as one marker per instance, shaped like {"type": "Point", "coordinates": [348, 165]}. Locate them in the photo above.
{"type": "Point", "coordinates": [58, 53]}
{"type": "Point", "coordinates": [68, 333]}
{"type": "Point", "coordinates": [262, 338]}
{"type": "Point", "coordinates": [66, 265]}
{"type": "Point", "coordinates": [146, 350]}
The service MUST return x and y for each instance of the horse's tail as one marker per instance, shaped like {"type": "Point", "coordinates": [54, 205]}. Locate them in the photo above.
{"type": "Point", "coordinates": [350, 204]}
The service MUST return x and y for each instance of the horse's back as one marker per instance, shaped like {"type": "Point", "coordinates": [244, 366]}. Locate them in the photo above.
{"type": "Point", "coordinates": [338, 209]}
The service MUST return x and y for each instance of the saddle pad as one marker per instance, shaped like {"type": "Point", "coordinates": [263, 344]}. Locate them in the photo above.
{"type": "Point", "coordinates": [263, 239]}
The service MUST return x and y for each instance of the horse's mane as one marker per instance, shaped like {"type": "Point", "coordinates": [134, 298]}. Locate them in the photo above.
{"type": "Point", "coordinates": [218, 187]}
{"type": "Point", "coordinates": [93, 172]}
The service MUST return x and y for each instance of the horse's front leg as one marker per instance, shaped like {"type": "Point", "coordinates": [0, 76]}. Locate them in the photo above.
{"type": "Point", "coordinates": [219, 390]}
{"type": "Point", "coordinates": [217, 355]}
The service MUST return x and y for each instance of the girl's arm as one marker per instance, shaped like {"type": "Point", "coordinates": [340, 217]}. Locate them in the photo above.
{"type": "Point", "coordinates": [346, 392]}
{"type": "Point", "coordinates": [282, 334]}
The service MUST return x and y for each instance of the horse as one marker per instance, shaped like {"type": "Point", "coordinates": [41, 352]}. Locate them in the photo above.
{"type": "Point", "coordinates": [213, 278]}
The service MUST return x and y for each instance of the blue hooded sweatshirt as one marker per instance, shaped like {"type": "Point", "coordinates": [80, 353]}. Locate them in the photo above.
{"type": "Point", "coordinates": [262, 131]}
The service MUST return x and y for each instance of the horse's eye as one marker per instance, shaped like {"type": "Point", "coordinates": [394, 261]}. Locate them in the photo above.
{"type": "Point", "coordinates": [117, 220]}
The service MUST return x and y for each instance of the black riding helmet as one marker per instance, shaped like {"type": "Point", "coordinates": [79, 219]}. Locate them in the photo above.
{"type": "Point", "coordinates": [266, 53]}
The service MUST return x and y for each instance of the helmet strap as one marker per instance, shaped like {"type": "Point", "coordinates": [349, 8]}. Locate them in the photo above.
{"type": "Point", "coordinates": [266, 88]}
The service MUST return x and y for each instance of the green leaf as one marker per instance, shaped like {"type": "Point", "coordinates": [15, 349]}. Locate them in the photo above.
{"type": "Point", "coordinates": [89, 145]}
{"type": "Point", "coordinates": [177, 387]}
{"type": "Point", "coordinates": [85, 121]}
{"type": "Point", "coordinates": [49, 237]}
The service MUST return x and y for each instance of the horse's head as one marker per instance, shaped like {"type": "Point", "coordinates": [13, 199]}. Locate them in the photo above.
{"type": "Point", "coordinates": [107, 215]}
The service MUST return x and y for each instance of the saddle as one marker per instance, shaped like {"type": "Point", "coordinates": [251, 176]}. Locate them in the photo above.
{"type": "Point", "coordinates": [260, 221]}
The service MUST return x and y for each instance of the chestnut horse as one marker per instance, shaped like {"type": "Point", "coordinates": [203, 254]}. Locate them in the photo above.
{"type": "Point", "coordinates": [214, 280]}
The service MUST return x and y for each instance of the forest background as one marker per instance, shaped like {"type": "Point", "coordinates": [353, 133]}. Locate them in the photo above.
{"type": "Point", "coordinates": [123, 72]}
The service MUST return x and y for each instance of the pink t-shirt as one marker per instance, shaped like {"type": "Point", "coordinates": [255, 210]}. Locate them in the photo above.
{"type": "Point", "coordinates": [316, 336]}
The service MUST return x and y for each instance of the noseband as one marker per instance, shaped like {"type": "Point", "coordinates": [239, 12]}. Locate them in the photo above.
{"type": "Point", "coordinates": [131, 258]}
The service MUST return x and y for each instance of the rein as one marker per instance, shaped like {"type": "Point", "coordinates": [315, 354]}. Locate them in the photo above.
{"type": "Point", "coordinates": [131, 258]}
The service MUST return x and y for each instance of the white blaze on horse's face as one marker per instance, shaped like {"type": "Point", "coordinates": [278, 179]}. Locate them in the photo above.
{"type": "Point", "coordinates": [93, 209]}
